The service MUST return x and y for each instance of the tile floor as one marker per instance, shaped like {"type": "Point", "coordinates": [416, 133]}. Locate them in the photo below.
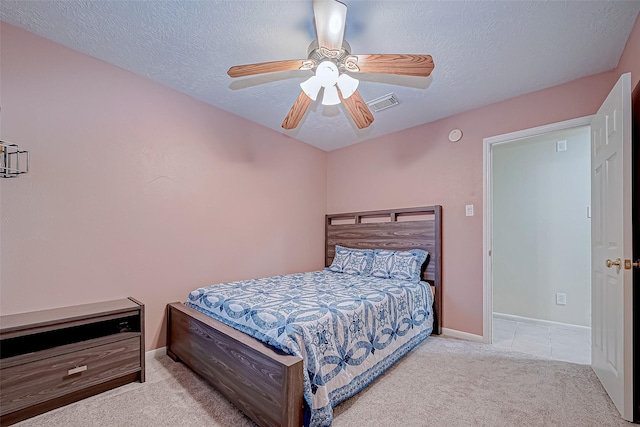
{"type": "Point", "coordinates": [552, 342]}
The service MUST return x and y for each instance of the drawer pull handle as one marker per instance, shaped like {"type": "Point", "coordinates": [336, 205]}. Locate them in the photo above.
{"type": "Point", "coordinates": [77, 370]}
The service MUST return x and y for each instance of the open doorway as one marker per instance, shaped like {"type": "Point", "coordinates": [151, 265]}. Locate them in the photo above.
{"type": "Point", "coordinates": [541, 245]}
{"type": "Point", "coordinates": [538, 231]}
{"type": "Point", "coordinates": [613, 197]}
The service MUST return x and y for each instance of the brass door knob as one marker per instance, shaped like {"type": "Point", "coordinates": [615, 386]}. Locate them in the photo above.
{"type": "Point", "coordinates": [617, 263]}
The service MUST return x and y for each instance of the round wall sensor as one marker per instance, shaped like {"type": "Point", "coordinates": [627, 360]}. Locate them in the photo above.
{"type": "Point", "coordinates": [455, 135]}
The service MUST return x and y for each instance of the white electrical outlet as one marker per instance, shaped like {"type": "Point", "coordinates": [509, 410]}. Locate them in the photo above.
{"type": "Point", "coordinates": [469, 210]}
{"type": "Point", "coordinates": [561, 299]}
{"type": "Point", "coordinates": [561, 146]}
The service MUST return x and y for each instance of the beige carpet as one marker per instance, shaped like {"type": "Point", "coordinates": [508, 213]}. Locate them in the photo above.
{"type": "Point", "coordinates": [443, 382]}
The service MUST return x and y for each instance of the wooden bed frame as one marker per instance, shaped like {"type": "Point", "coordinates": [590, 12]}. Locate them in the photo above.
{"type": "Point", "coordinates": [267, 384]}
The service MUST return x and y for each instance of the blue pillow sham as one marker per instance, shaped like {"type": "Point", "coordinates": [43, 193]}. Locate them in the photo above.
{"type": "Point", "coordinates": [404, 265]}
{"type": "Point", "coordinates": [352, 261]}
{"type": "Point", "coordinates": [383, 263]}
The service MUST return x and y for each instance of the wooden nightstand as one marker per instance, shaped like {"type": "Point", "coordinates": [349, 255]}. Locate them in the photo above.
{"type": "Point", "coordinates": [51, 358]}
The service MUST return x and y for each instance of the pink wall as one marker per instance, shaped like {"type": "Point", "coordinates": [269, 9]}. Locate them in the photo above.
{"type": "Point", "coordinates": [419, 166]}
{"type": "Point", "coordinates": [630, 60]}
{"type": "Point", "coordinates": [137, 190]}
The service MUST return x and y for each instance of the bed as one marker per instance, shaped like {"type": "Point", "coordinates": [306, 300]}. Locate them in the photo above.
{"type": "Point", "coordinates": [267, 383]}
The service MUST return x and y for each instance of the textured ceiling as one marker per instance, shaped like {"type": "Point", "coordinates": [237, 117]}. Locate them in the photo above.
{"type": "Point", "coordinates": [484, 51]}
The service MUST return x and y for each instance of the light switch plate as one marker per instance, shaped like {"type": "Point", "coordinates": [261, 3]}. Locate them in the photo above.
{"type": "Point", "coordinates": [469, 210]}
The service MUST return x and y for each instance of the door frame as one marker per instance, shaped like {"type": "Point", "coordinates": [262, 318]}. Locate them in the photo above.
{"type": "Point", "coordinates": [635, 186]}
{"type": "Point", "coordinates": [487, 244]}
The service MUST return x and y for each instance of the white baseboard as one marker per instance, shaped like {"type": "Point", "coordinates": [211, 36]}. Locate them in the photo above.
{"type": "Point", "coordinates": [540, 322]}
{"type": "Point", "coordinates": [153, 354]}
{"type": "Point", "coordinates": [462, 335]}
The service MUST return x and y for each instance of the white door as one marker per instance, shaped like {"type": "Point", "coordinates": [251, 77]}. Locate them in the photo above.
{"type": "Point", "coordinates": [611, 292]}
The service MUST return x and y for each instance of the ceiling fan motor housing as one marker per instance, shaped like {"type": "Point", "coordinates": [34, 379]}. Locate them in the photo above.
{"type": "Point", "coordinates": [320, 54]}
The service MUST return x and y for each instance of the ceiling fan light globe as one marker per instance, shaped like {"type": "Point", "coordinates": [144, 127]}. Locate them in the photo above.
{"type": "Point", "coordinates": [330, 96]}
{"type": "Point", "coordinates": [311, 87]}
{"type": "Point", "coordinates": [348, 85]}
{"type": "Point", "coordinates": [327, 73]}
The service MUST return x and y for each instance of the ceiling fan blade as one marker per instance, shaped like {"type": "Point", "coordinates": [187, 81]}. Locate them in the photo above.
{"type": "Point", "coordinates": [270, 67]}
{"type": "Point", "coordinates": [331, 17]}
{"type": "Point", "coordinates": [406, 65]}
{"type": "Point", "coordinates": [297, 112]}
{"type": "Point", "coordinates": [358, 109]}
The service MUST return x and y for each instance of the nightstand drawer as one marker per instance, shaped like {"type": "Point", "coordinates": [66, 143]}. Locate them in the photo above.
{"type": "Point", "coordinates": [42, 380]}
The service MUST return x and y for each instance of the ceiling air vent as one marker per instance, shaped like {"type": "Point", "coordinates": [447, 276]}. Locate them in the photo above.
{"type": "Point", "coordinates": [383, 102]}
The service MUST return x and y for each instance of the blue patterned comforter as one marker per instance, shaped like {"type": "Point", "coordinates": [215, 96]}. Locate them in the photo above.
{"type": "Point", "coordinates": [348, 329]}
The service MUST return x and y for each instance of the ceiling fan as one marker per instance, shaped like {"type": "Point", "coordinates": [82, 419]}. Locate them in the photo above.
{"type": "Point", "coordinates": [330, 57]}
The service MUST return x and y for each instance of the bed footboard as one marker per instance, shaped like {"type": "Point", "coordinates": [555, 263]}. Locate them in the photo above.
{"type": "Point", "coordinates": [265, 384]}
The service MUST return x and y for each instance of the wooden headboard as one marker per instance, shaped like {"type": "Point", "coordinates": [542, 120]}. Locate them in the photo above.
{"type": "Point", "coordinates": [394, 229]}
